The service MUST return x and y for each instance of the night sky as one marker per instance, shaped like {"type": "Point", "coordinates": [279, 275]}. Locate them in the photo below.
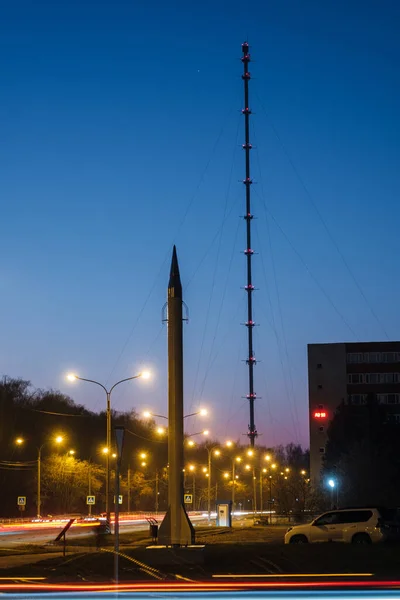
{"type": "Point", "coordinates": [121, 135]}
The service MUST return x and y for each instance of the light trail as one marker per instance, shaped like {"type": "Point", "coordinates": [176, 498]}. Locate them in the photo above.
{"type": "Point", "coordinates": [317, 589]}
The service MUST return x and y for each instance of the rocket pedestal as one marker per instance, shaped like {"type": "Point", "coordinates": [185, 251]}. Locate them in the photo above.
{"type": "Point", "coordinates": [176, 529]}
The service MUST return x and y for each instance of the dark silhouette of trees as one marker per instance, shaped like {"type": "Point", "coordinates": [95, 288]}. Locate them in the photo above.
{"type": "Point", "coordinates": [37, 416]}
{"type": "Point", "coordinates": [363, 454]}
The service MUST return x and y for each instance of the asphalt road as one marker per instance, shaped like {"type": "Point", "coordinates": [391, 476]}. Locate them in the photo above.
{"type": "Point", "coordinates": [42, 533]}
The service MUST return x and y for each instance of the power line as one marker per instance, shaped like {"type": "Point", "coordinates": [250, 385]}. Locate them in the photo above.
{"type": "Point", "coordinates": [322, 220]}
{"type": "Point", "coordinates": [295, 415]}
{"type": "Point", "coordinates": [162, 268]}
{"type": "Point", "coordinates": [314, 278]}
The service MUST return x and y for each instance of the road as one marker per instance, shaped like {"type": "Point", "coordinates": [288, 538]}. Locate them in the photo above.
{"type": "Point", "coordinates": [18, 533]}
{"type": "Point", "coordinates": [14, 534]}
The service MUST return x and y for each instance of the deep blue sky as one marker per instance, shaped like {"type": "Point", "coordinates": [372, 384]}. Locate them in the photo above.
{"type": "Point", "coordinates": [120, 135]}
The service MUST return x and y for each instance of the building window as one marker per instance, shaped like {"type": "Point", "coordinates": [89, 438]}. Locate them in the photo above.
{"type": "Point", "coordinates": [322, 449]}
{"type": "Point", "coordinates": [319, 366]}
{"type": "Point", "coordinates": [390, 357]}
{"type": "Point", "coordinates": [355, 378]}
{"type": "Point", "coordinates": [353, 357]}
{"type": "Point", "coordinates": [388, 398]}
{"type": "Point", "coordinates": [373, 357]}
{"type": "Point", "coordinates": [393, 419]}
{"type": "Point", "coordinates": [393, 399]}
{"type": "Point", "coordinates": [358, 398]}
{"type": "Point", "coordinates": [375, 378]}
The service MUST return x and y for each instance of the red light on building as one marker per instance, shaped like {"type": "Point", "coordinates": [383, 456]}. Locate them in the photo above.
{"type": "Point", "coordinates": [320, 414]}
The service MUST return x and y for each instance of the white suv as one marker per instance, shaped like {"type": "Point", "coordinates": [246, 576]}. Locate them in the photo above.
{"type": "Point", "coordinates": [357, 526]}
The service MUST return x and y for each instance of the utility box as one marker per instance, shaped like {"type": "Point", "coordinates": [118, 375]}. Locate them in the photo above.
{"type": "Point", "coordinates": [224, 514]}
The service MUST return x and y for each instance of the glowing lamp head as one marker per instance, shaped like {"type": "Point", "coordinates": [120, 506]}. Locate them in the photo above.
{"type": "Point", "coordinates": [160, 430]}
{"type": "Point", "coordinates": [250, 453]}
{"type": "Point", "coordinates": [71, 452]}
{"type": "Point", "coordinates": [229, 444]}
{"type": "Point", "coordinates": [59, 439]}
{"type": "Point", "coordinates": [105, 450]}
{"type": "Point", "coordinates": [217, 452]}
{"type": "Point", "coordinates": [331, 483]}
{"type": "Point", "coordinates": [146, 414]}
{"type": "Point", "coordinates": [71, 377]}
{"type": "Point", "coordinates": [203, 412]}
{"type": "Point", "coordinates": [143, 455]}
{"type": "Point", "coordinates": [191, 467]}
{"type": "Point", "coordinates": [114, 455]}
{"type": "Point", "coordinates": [145, 374]}
{"type": "Point", "coordinates": [191, 443]}
{"type": "Point", "coordinates": [205, 432]}
{"type": "Point", "coordinates": [19, 441]}
{"type": "Point", "coordinates": [226, 475]}
{"type": "Point", "coordinates": [267, 457]}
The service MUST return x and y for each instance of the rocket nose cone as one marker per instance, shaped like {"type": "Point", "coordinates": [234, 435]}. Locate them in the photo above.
{"type": "Point", "coordinates": [174, 275]}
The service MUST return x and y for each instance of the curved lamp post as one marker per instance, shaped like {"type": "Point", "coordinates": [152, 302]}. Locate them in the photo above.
{"type": "Point", "coordinates": [73, 377]}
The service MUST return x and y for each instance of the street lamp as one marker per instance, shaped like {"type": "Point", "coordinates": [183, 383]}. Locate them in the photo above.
{"type": "Point", "coordinates": [216, 453]}
{"type": "Point", "coordinates": [73, 377]}
{"type": "Point", "coordinates": [236, 459]}
{"type": "Point", "coordinates": [205, 433]}
{"type": "Point", "coordinates": [203, 412]}
{"type": "Point", "coordinates": [192, 469]}
{"type": "Point", "coordinates": [58, 440]}
{"type": "Point", "coordinates": [332, 483]}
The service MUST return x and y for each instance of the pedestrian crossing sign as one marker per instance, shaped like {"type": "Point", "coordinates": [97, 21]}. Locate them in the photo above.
{"type": "Point", "coordinates": [21, 501]}
{"type": "Point", "coordinates": [188, 498]}
{"type": "Point", "coordinates": [90, 500]}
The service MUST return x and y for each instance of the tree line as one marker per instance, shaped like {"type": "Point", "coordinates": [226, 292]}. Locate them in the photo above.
{"type": "Point", "coordinates": [363, 454]}
{"type": "Point", "coordinates": [75, 468]}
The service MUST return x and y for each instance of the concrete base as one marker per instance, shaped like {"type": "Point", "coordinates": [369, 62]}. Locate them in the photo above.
{"type": "Point", "coordinates": [167, 556]}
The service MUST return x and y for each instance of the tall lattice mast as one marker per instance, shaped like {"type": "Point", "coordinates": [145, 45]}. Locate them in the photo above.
{"type": "Point", "coordinates": [251, 361]}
